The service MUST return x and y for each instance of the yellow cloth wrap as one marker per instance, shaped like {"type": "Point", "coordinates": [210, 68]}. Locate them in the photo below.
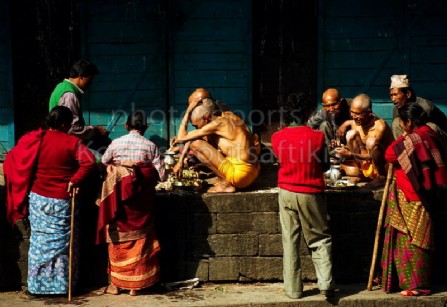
{"type": "Point", "coordinates": [238, 173]}
{"type": "Point", "coordinates": [368, 170]}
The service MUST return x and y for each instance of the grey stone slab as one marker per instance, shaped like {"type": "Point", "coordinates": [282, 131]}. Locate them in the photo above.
{"type": "Point", "coordinates": [270, 245]}
{"type": "Point", "coordinates": [233, 244]}
{"type": "Point", "coordinates": [247, 223]}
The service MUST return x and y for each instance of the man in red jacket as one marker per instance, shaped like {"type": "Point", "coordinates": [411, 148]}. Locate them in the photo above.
{"type": "Point", "coordinates": [302, 156]}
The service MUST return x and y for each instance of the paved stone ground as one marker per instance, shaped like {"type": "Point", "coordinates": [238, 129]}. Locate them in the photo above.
{"type": "Point", "coordinates": [259, 294]}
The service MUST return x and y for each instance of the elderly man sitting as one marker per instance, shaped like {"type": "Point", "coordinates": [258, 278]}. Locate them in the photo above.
{"type": "Point", "coordinates": [229, 149]}
{"type": "Point", "coordinates": [367, 141]}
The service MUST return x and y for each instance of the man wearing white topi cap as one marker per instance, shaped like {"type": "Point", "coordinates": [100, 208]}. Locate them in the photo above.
{"type": "Point", "coordinates": [401, 93]}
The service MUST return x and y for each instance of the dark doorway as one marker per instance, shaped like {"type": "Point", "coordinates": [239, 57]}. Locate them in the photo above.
{"type": "Point", "coordinates": [284, 57]}
{"type": "Point", "coordinates": [45, 42]}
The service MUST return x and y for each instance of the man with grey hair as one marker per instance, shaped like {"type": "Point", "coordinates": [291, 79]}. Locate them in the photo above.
{"type": "Point", "coordinates": [223, 143]}
{"type": "Point", "coordinates": [367, 140]}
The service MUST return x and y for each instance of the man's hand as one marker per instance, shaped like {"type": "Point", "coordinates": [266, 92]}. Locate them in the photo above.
{"type": "Point", "coordinates": [194, 104]}
{"type": "Point", "coordinates": [178, 169]}
{"type": "Point", "coordinates": [335, 144]}
{"type": "Point", "coordinates": [343, 152]}
{"type": "Point", "coordinates": [174, 141]}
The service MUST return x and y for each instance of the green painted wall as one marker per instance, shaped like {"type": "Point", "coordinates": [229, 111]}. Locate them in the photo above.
{"type": "Point", "coordinates": [363, 43]}
{"type": "Point", "coordinates": [153, 54]}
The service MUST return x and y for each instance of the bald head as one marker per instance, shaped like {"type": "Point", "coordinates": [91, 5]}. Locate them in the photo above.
{"type": "Point", "coordinates": [199, 94]}
{"type": "Point", "coordinates": [362, 102]}
{"type": "Point", "coordinates": [330, 96]}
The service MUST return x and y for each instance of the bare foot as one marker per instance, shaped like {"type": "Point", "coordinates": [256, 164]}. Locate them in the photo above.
{"type": "Point", "coordinates": [222, 188]}
{"type": "Point", "coordinates": [111, 289]}
{"type": "Point", "coordinates": [133, 292]}
{"type": "Point", "coordinates": [377, 182]}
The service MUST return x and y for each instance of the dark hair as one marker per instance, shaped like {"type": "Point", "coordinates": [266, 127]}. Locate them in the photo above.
{"type": "Point", "coordinates": [296, 108]}
{"type": "Point", "coordinates": [414, 112]}
{"type": "Point", "coordinates": [137, 121]}
{"type": "Point", "coordinates": [59, 116]}
{"type": "Point", "coordinates": [83, 68]}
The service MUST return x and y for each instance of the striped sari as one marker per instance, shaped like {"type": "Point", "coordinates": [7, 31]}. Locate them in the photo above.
{"type": "Point", "coordinates": [48, 262]}
{"type": "Point", "coordinates": [134, 265]}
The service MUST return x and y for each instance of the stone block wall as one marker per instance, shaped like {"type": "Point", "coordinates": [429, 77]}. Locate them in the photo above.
{"type": "Point", "coordinates": [237, 237]}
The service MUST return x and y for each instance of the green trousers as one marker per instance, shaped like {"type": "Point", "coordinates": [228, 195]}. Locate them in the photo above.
{"type": "Point", "coordinates": [303, 213]}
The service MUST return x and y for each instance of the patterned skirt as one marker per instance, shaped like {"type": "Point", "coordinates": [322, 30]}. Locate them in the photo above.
{"type": "Point", "coordinates": [408, 245]}
{"type": "Point", "coordinates": [134, 265]}
{"type": "Point", "coordinates": [48, 260]}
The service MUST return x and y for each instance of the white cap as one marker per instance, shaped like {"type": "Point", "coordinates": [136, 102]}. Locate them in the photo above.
{"type": "Point", "coordinates": [398, 81]}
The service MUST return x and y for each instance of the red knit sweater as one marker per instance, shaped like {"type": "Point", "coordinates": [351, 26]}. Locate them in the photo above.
{"type": "Point", "coordinates": [62, 158]}
{"type": "Point", "coordinates": [300, 152]}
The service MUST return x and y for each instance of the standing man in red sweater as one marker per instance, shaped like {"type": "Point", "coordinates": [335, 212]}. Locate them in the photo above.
{"type": "Point", "coordinates": [302, 156]}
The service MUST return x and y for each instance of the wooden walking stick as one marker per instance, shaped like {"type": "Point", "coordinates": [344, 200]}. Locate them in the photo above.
{"type": "Point", "coordinates": [379, 226]}
{"type": "Point", "coordinates": [70, 251]}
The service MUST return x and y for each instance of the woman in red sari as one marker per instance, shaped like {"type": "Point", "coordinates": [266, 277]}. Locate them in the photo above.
{"type": "Point", "coordinates": [420, 170]}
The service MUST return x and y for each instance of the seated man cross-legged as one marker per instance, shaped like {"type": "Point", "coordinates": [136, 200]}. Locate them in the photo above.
{"type": "Point", "coordinates": [229, 149]}
{"type": "Point", "coordinates": [367, 140]}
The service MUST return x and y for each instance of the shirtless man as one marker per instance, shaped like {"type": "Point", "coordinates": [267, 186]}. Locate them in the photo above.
{"type": "Point", "coordinates": [198, 95]}
{"type": "Point", "coordinates": [367, 141]}
{"type": "Point", "coordinates": [229, 150]}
